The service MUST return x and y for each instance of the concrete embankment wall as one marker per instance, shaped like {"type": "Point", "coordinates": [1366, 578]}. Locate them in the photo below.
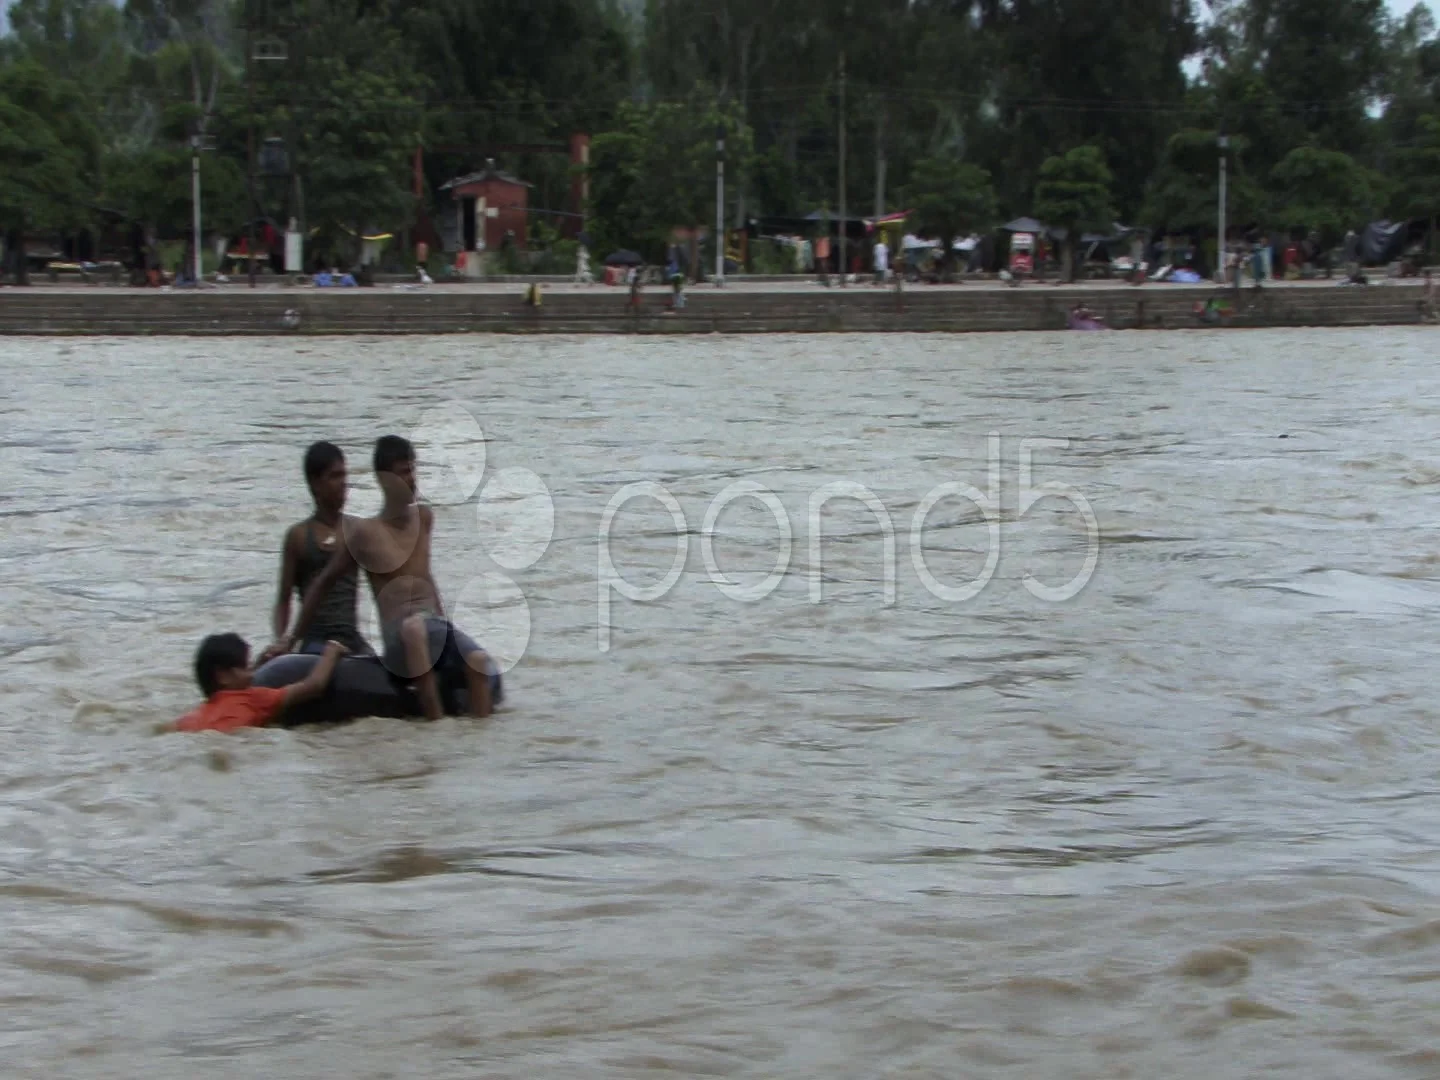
{"type": "Point", "coordinates": [439, 310]}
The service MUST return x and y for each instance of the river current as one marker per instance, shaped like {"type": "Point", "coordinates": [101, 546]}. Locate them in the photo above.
{"type": "Point", "coordinates": [1175, 817]}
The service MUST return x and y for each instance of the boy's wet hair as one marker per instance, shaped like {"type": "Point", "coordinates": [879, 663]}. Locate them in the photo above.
{"type": "Point", "coordinates": [319, 458]}
{"type": "Point", "coordinates": [217, 653]}
{"type": "Point", "coordinates": [390, 450]}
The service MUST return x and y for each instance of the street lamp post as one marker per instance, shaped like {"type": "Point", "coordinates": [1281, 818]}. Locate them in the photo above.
{"type": "Point", "coordinates": [196, 265]}
{"type": "Point", "coordinates": [719, 206]}
{"type": "Point", "coordinates": [269, 50]}
{"type": "Point", "coordinates": [841, 110]}
{"type": "Point", "coordinates": [1220, 245]}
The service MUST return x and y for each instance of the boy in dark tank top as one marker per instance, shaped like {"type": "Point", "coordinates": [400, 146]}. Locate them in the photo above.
{"type": "Point", "coordinates": [308, 548]}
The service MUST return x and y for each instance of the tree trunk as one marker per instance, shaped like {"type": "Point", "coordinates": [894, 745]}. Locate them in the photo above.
{"type": "Point", "coordinates": [300, 205]}
{"type": "Point", "coordinates": [15, 255]}
{"type": "Point", "coordinates": [880, 162]}
{"type": "Point", "coordinates": [740, 177]}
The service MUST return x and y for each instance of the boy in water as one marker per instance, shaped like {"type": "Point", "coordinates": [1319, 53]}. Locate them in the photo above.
{"type": "Point", "coordinates": [307, 550]}
{"type": "Point", "coordinates": [222, 668]}
{"type": "Point", "coordinates": [394, 549]}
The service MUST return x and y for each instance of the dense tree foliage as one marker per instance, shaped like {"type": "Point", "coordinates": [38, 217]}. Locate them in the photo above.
{"type": "Point", "coordinates": [1073, 196]}
{"type": "Point", "coordinates": [656, 171]}
{"type": "Point", "coordinates": [48, 150]}
{"type": "Point", "coordinates": [1322, 191]}
{"type": "Point", "coordinates": [966, 111]}
{"type": "Point", "coordinates": [950, 199]}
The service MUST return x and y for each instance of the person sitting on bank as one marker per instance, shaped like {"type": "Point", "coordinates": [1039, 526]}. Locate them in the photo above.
{"type": "Point", "coordinates": [222, 669]}
{"type": "Point", "coordinates": [307, 550]}
{"type": "Point", "coordinates": [331, 278]}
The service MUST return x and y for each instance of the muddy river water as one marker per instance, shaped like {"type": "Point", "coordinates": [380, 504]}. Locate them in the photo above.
{"type": "Point", "coordinates": [1171, 812]}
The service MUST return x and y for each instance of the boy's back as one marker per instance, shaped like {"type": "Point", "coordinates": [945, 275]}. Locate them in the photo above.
{"type": "Point", "coordinates": [231, 710]}
{"type": "Point", "coordinates": [222, 668]}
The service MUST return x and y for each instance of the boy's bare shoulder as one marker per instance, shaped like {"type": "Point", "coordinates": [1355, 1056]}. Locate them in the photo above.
{"type": "Point", "coordinates": [357, 530]}
{"type": "Point", "coordinates": [294, 537]}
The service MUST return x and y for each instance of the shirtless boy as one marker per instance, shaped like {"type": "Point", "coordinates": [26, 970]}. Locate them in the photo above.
{"type": "Point", "coordinates": [306, 552]}
{"type": "Point", "coordinates": [394, 549]}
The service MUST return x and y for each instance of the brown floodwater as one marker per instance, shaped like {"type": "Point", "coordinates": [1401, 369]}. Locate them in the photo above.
{"type": "Point", "coordinates": [1181, 823]}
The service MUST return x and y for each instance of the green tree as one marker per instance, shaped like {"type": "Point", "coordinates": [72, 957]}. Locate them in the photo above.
{"type": "Point", "coordinates": [183, 62]}
{"type": "Point", "coordinates": [741, 48]}
{"type": "Point", "coordinates": [1416, 191]}
{"type": "Point", "coordinates": [656, 172]}
{"type": "Point", "coordinates": [71, 36]}
{"type": "Point", "coordinates": [783, 64]}
{"type": "Point", "coordinates": [349, 103]}
{"type": "Point", "coordinates": [1411, 81]}
{"type": "Point", "coordinates": [950, 199]}
{"type": "Point", "coordinates": [732, 45]}
{"type": "Point", "coordinates": [1068, 72]}
{"type": "Point", "coordinates": [48, 157]}
{"type": "Point", "coordinates": [1293, 72]}
{"type": "Point", "coordinates": [1073, 195]}
{"type": "Point", "coordinates": [152, 185]}
{"type": "Point", "coordinates": [356, 143]}
{"type": "Point", "coordinates": [516, 72]}
{"type": "Point", "coordinates": [1184, 193]}
{"type": "Point", "coordinates": [1324, 191]}
{"type": "Point", "coordinates": [1004, 84]}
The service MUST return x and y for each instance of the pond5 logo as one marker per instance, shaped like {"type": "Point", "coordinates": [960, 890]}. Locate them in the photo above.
{"type": "Point", "coordinates": [514, 517]}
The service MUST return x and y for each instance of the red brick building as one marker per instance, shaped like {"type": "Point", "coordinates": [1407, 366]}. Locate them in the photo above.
{"type": "Point", "coordinates": [488, 204]}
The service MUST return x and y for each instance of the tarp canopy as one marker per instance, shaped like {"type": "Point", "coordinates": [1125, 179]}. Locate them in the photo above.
{"type": "Point", "coordinates": [1117, 232]}
{"type": "Point", "coordinates": [920, 243]}
{"type": "Point", "coordinates": [825, 215]}
{"type": "Point", "coordinates": [1024, 224]}
{"type": "Point", "coordinates": [1381, 242]}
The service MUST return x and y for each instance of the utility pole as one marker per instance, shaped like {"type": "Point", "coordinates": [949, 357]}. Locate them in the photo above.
{"type": "Point", "coordinates": [1220, 242]}
{"type": "Point", "coordinates": [250, 140]}
{"type": "Point", "coordinates": [843, 264]}
{"type": "Point", "coordinates": [719, 206]}
{"type": "Point", "coordinates": [197, 142]}
{"type": "Point", "coordinates": [196, 265]}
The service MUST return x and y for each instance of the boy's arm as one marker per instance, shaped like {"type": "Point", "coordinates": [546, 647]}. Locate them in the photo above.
{"type": "Point", "coordinates": [289, 561]}
{"type": "Point", "coordinates": [427, 522]}
{"type": "Point", "coordinates": [314, 684]}
{"type": "Point", "coordinates": [339, 563]}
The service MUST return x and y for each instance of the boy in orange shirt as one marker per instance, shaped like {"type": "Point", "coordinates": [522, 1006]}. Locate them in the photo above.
{"type": "Point", "coordinates": [222, 668]}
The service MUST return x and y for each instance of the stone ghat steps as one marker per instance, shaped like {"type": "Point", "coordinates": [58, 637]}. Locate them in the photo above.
{"type": "Point", "coordinates": [855, 310]}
